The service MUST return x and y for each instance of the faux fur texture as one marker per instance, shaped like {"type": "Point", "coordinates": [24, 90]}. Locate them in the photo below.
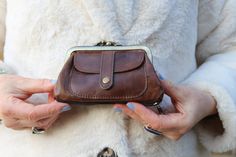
{"type": "Point", "coordinates": [39, 32]}
{"type": "Point", "coordinates": [2, 23]}
{"type": "Point", "coordinates": [223, 90]}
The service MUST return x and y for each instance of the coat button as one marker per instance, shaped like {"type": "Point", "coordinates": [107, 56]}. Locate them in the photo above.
{"type": "Point", "coordinates": [107, 152]}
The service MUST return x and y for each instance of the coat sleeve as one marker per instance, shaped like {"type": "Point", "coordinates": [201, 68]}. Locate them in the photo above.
{"type": "Point", "coordinates": [216, 57]}
{"type": "Point", "coordinates": [3, 66]}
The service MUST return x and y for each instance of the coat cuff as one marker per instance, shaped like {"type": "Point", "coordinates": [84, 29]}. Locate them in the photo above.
{"type": "Point", "coordinates": [218, 134]}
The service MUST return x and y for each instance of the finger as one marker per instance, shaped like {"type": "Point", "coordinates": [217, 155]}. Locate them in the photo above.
{"type": "Point", "coordinates": [39, 124]}
{"type": "Point", "coordinates": [19, 128]}
{"type": "Point", "coordinates": [21, 110]}
{"type": "Point", "coordinates": [35, 85]}
{"type": "Point", "coordinates": [158, 122]}
{"type": "Point", "coordinates": [51, 94]}
{"type": "Point", "coordinates": [15, 108]}
{"type": "Point", "coordinates": [50, 97]}
{"type": "Point", "coordinates": [171, 90]}
{"type": "Point", "coordinates": [46, 123]}
{"type": "Point", "coordinates": [24, 124]}
{"type": "Point", "coordinates": [47, 110]}
{"type": "Point", "coordinates": [172, 135]}
{"type": "Point", "coordinates": [128, 112]}
{"type": "Point", "coordinates": [144, 113]}
{"type": "Point", "coordinates": [51, 123]}
{"type": "Point", "coordinates": [13, 124]}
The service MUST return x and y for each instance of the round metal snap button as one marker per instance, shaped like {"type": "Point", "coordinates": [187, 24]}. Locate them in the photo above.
{"type": "Point", "coordinates": [106, 80]}
{"type": "Point", "coordinates": [107, 152]}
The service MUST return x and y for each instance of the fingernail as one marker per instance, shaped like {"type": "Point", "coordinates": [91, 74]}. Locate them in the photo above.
{"type": "Point", "coordinates": [66, 108]}
{"type": "Point", "coordinates": [130, 105]}
{"type": "Point", "coordinates": [118, 109]}
{"type": "Point", "coordinates": [161, 77]}
{"type": "Point", "coordinates": [53, 81]}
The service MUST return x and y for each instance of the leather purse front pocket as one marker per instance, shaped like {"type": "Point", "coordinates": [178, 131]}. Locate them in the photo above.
{"type": "Point", "coordinates": [124, 72]}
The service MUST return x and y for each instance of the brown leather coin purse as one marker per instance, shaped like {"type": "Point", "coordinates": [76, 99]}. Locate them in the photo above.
{"type": "Point", "coordinates": [108, 75]}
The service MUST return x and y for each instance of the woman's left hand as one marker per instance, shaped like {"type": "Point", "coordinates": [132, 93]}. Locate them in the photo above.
{"type": "Point", "coordinates": [191, 105]}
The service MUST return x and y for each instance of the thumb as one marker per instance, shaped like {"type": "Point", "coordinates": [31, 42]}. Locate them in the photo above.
{"type": "Point", "coordinates": [35, 85]}
{"type": "Point", "coordinates": [170, 89]}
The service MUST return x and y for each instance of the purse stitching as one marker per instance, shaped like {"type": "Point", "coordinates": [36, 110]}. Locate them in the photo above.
{"type": "Point", "coordinates": [104, 97]}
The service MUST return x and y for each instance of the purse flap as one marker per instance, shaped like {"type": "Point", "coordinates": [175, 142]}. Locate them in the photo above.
{"type": "Point", "coordinates": [90, 61]}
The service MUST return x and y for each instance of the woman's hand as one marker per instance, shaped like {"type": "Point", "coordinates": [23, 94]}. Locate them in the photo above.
{"type": "Point", "coordinates": [16, 113]}
{"type": "Point", "coordinates": [191, 104]}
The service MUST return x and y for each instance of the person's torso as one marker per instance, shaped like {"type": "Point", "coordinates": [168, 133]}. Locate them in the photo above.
{"type": "Point", "coordinates": [40, 32]}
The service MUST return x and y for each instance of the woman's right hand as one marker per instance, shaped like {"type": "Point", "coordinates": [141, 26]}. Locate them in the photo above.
{"type": "Point", "coordinates": [18, 114]}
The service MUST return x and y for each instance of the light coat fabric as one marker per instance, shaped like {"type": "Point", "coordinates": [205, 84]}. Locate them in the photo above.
{"type": "Point", "coordinates": [193, 42]}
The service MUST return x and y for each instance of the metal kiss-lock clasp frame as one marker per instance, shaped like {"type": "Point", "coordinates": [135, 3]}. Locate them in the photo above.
{"type": "Point", "coordinates": [112, 46]}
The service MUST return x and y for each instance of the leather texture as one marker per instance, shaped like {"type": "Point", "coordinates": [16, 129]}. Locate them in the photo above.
{"type": "Point", "coordinates": [108, 76]}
